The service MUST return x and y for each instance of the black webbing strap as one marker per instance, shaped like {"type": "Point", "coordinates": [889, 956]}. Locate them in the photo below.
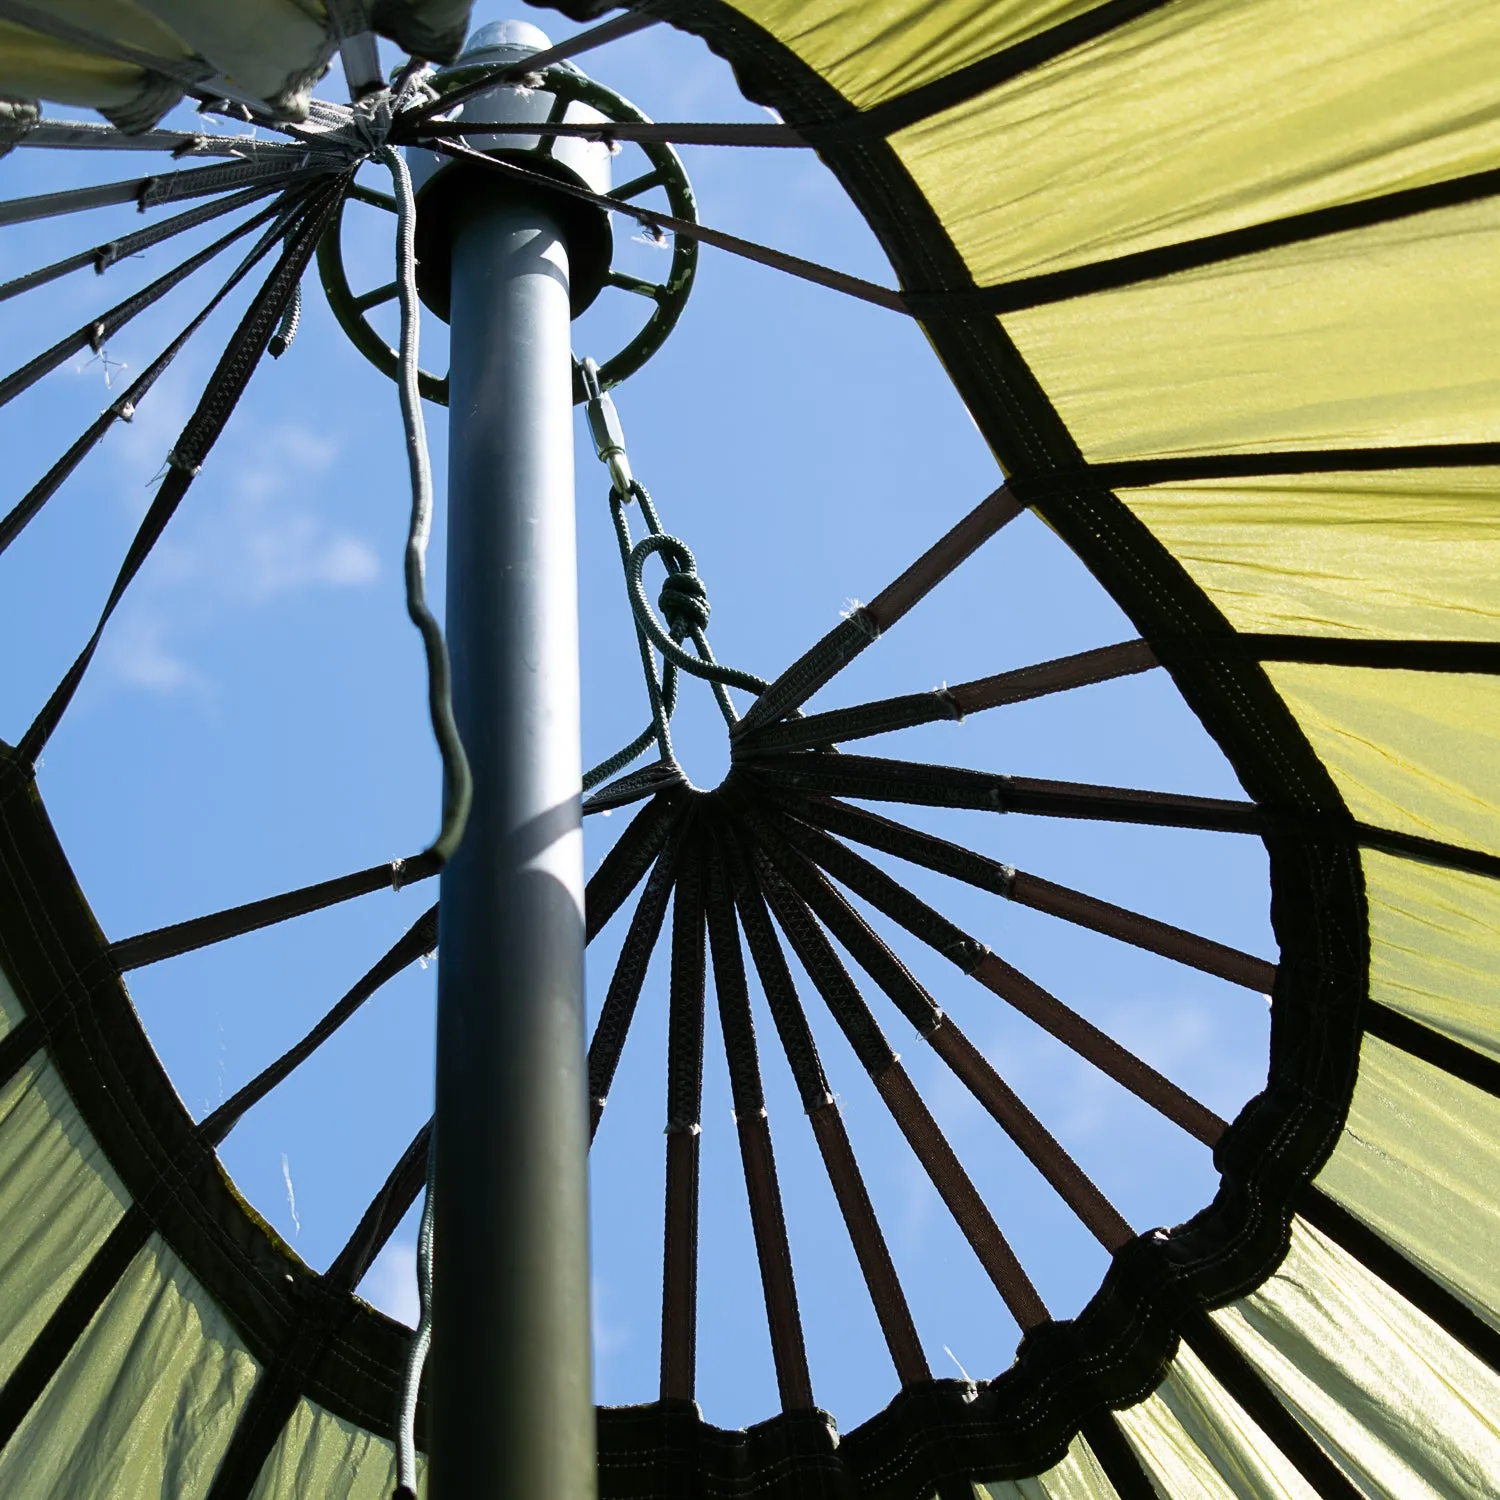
{"type": "Point", "coordinates": [220, 396]}
{"type": "Point", "coordinates": [124, 408]}
{"type": "Point", "coordinates": [235, 921]}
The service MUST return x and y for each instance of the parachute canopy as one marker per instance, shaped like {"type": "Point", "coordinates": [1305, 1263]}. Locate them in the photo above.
{"type": "Point", "coordinates": [1216, 278]}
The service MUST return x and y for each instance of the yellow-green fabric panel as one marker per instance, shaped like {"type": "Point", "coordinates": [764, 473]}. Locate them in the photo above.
{"type": "Point", "coordinates": [1194, 120]}
{"type": "Point", "coordinates": [1194, 1439]}
{"type": "Point", "coordinates": [1077, 1477]}
{"type": "Point", "coordinates": [1413, 751]}
{"type": "Point", "coordinates": [1386, 335]}
{"type": "Point", "coordinates": [273, 49]}
{"type": "Point", "coordinates": [36, 67]}
{"type": "Point", "coordinates": [11, 1009]}
{"type": "Point", "coordinates": [319, 1454]}
{"type": "Point", "coordinates": [270, 48]}
{"type": "Point", "coordinates": [1402, 1407]}
{"type": "Point", "coordinates": [126, 21]}
{"type": "Point", "coordinates": [59, 1199]}
{"type": "Point", "coordinates": [1419, 1162]}
{"type": "Point", "coordinates": [1435, 947]}
{"type": "Point", "coordinates": [1413, 553]}
{"type": "Point", "coordinates": [146, 1402]}
{"type": "Point", "coordinates": [880, 48]}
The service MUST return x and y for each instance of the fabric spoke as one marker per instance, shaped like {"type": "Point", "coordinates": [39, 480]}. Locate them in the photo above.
{"type": "Point", "coordinates": [1024, 889]}
{"type": "Point", "coordinates": [196, 440]}
{"type": "Point", "coordinates": [867, 622]}
{"type": "Point", "coordinates": [679, 1312]}
{"type": "Point", "coordinates": [815, 731]}
{"type": "Point", "coordinates": [105, 254]}
{"type": "Point", "coordinates": [880, 780]}
{"type": "Point", "coordinates": [939, 1031]}
{"type": "Point", "coordinates": [978, 962]}
{"type": "Point", "coordinates": [767, 1219]}
{"type": "Point", "coordinates": [863, 1228]}
{"type": "Point", "coordinates": [625, 984]}
{"type": "Point", "coordinates": [151, 192]}
{"type": "Point", "coordinates": [911, 1115]}
{"type": "Point", "coordinates": [235, 921]}
{"type": "Point", "coordinates": [419, 939]}
{"type": "Point", "coordinates": [94, 333]}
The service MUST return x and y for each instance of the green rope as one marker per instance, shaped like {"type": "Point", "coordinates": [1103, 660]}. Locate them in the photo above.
{"type": "Point", "coordinates": [683, 600]}
{"type": "Point", "coordinates": [421, 1342]}
{"type": "Point", "coordinates": [458, 783]}
{"type": "Point", "coordinates": [684, 593]}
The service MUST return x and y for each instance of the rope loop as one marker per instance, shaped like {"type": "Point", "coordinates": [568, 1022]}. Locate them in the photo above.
{"type": "Point", "coordinates": [682, 602]}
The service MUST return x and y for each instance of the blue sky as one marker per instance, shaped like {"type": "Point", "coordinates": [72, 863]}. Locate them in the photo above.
{"type": "Point", "coordinates": [256, 720]}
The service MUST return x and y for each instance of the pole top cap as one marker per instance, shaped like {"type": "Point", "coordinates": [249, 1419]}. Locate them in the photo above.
{"type": "Point", "coordinates": [503, 42]}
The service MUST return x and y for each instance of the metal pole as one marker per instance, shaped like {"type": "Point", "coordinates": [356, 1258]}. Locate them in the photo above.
{"type": "Point", "coordinates": [511, 1412]}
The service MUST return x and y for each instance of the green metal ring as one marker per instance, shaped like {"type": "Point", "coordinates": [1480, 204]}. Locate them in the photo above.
{"type": "Point", "coordinates": [670, 296]}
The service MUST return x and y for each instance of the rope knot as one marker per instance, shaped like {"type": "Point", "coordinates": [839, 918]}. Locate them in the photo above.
{"type": "Point", "coordinates": [683, 602]}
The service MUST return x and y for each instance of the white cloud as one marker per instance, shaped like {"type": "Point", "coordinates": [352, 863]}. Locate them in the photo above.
{"type": "Point", "coordinates": [249, 533]}
{"type": "Point", "coordinates": [135, 653]}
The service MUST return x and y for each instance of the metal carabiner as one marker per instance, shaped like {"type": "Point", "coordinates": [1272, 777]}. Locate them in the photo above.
{"type": "Point", "coordinates": [606, 431]}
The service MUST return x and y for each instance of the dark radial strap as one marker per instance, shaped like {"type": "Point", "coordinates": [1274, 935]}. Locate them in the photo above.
{"type": "Point", "coordinates": [120, 410]}
{"type": "Point", "coordinates": [420, 938]}
{"type": "Point", "coordinates": [280, 1386]}
{"type": "Point", "coordinates": [812, 774]}
{"type": "Point", "coordinates": [876, 779]}
{"type": "Point", "coordinates": [1045, 1152]}
{"type": "Point", "coordinates": [220, 396]}
{"type": "Point", "coordinates": [864, 1231]}
{"type": "Point", "coordinates": [842, 644]}
{"type": "Point", "coordinates": [1261, 1404]}
{"type": "Point", "coordinates": [169, 187]}
{"type": "Point", "coordinates": [972, 1069]}
{"type": "Point", "coordinates": [679, 1315]}
{"type": "Point", "coordinates": [764, 255]}
{"type": "Point", "coordinates": [94, 333]}
{"type": "Point", "coordinates": [1031, 890]}
{"type": "Point", "coordinates": [767, 1219]}
{"type": "Point", "coordinates": [870, 1248]}
{"type": "Point", "coordinates": [954, 703]}
{"type": "Point", "coordinates": [621, 869]}
{"type": "Point", "coordinates": [625, 985]}
{"type": "Point", "coordinates": [961, 1196]}
{"type": "Point", "coordinates": [235, 921]}
{"type": "Point", "coordinates": [907, 1109]}
{"type": "Point", "coordinates": [968, 954]}
{"type": "Point", "coordinates": [108, 252]}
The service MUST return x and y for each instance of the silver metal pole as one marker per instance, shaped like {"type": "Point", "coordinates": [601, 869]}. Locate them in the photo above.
{"type": "Point", "coordinates": [511, 1412]}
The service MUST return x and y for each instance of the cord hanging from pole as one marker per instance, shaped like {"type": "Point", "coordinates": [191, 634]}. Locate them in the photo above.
{"type": "Point", "coordinates": [458, 783]}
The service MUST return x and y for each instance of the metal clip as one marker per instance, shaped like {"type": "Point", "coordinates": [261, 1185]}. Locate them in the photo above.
{"type": "Point", "coordinates": [605, 429]}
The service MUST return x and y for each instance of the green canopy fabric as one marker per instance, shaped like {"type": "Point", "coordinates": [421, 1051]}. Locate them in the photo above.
{"type": "Point", "coordinates": [100, 53]}
{"type": "Point", "coordinates": [1216, 278]}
